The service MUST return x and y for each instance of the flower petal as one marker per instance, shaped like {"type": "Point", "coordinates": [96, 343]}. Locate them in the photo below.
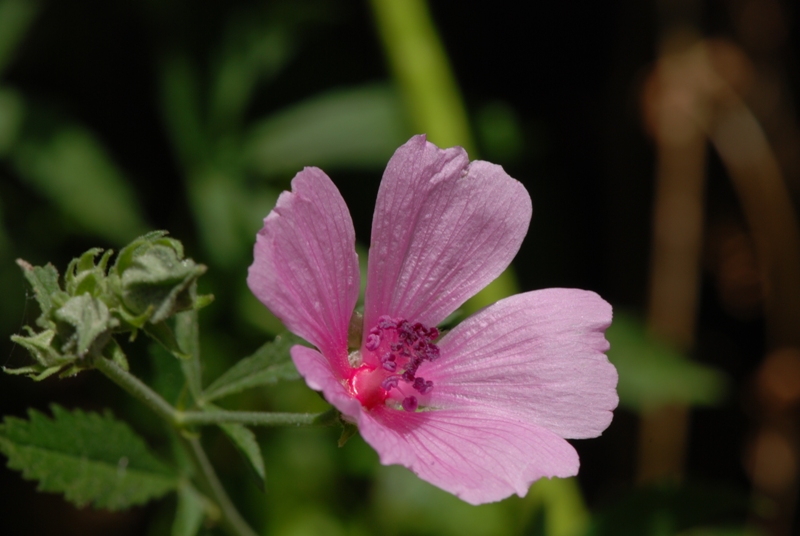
{"type": "Point", "coordinates": [537, 355]}
{"type": "Point", "coordinates": [442, 230]}
{"type": "Point", "coordinates": [320, 376]}
{"type": "Point", "coordinates": [306, 268]}
{"type": "Point", "coordinates": [477, 455]}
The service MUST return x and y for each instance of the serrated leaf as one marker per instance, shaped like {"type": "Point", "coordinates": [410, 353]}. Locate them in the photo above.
{"type": "Point", "coordinates": [652, 374]}
{"type": "Point", "coordinates": [44, 281]}
{"type": "Point", "coordinates": [190, 512]}
{"type": "Point", "coordinates": [246, 444]}
{"type": "Point", "coordinates": [269, 364]}
{"type": "Point", "coordinates": [358, 128]}
{"type": "Point", "coordinates": [88, 457]}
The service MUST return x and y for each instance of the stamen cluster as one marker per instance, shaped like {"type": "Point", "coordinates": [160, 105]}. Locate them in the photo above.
{"type": "Point", "coordinates": [401, 348]}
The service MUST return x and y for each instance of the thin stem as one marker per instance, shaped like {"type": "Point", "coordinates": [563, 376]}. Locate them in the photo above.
{"type": "Point", "coordinates": [257, 418]}
{"type": "Point", "coordinates": [232, 521]}
{"type": "Point", "coordinates": [137, 389]}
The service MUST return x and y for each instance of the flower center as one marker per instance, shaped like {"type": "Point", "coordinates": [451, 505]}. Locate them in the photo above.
{"type": "Point", "coordinates": [394, 349]}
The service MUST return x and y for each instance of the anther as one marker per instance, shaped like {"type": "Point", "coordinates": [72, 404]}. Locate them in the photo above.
{"type": "Point", "coordinates": [390, 382]}
{"type": "Point", "coordinates": [373, 341]}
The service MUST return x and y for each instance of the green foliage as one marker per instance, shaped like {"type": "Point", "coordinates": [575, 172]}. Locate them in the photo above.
{"type": "Point", "coordinates": [154, 280]}
{"type": "Point", "coordinates": [44, 282]}
{"type": "Point", "coordinates": [88, 457]}
{"type": "Point", "coordinates": [192, 508]}
{"type": "Point", "coordinates": [91, 323]}
{"type": "Point", "coordinates": [245, 441]}
{"type": "Point", "coordinates": [358, 127]}
{"type": "Point", "coordinates": [652, 374]}
{"type": "Point", "coordinates": [68, 165]}
{"type": "Point", "coordinates": [149, 282]}
{"type": "Point", "coordinates": [668, 510]}
{"type": "Point", "coordinates": [269, 364]}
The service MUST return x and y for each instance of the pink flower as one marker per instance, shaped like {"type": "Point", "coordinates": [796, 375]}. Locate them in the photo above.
{"type": "Point", "coordinates": [481, 411]}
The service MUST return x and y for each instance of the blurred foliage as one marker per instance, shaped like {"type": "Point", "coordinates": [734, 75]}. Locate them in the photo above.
{"type": "Point", "coordinates": [670, 509]}
{"type": "Point", "coordinates": [651, 374]}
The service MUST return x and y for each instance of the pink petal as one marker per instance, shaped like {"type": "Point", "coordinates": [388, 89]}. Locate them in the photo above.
{"type": "Point", "coordinates": [320, 376]}
{"type": "Point", "coordinates": [306, 269]}
{"type": "Point", "coordinates": [443, 229]}
{"type": "Point", "coordinates": [477, 455]}
{"type": "Point", "coordinates": [538, 356]}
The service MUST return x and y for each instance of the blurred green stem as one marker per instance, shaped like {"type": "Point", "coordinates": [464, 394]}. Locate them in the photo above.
{"type": "Point", "coordinates": [420, 65]}
{"type": "Point", "coordinates": [232, 521]}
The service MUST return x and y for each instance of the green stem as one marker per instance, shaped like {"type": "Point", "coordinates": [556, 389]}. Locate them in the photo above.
{"type": "Point", "coordinates": [137, 389]}
{"type": "Point", "coordinates": [420, 65]}
{"type": "Point", "coordinates": [231, 521]}
{"type": "Point", "coordinates": [257, 418]}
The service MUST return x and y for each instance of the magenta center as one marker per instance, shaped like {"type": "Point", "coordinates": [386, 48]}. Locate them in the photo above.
{"type": "Point", "coordinates": [392, 352]}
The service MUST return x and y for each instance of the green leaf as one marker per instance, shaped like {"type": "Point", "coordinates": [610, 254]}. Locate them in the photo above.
{"type": "Point", "coordinates": [358, 128]}
{"type": "Point", "coordinates": [88, 457]}
{"type": "Point", "coordinates": [269, 364]}
{"type": "Point", "coordinates": [245, 441]}
{"type": "Point", "coordinates": [190, 513]}
{"type": "Point", "coordinates": [652, 374]}
{"type": "Point", "coordinates": [69, 165]}
{"type": "Point", "coordinates": [44, 281]}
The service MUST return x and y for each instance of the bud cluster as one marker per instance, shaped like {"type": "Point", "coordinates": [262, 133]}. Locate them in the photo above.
{"type": "Point", "coordinates": [149, 282]}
